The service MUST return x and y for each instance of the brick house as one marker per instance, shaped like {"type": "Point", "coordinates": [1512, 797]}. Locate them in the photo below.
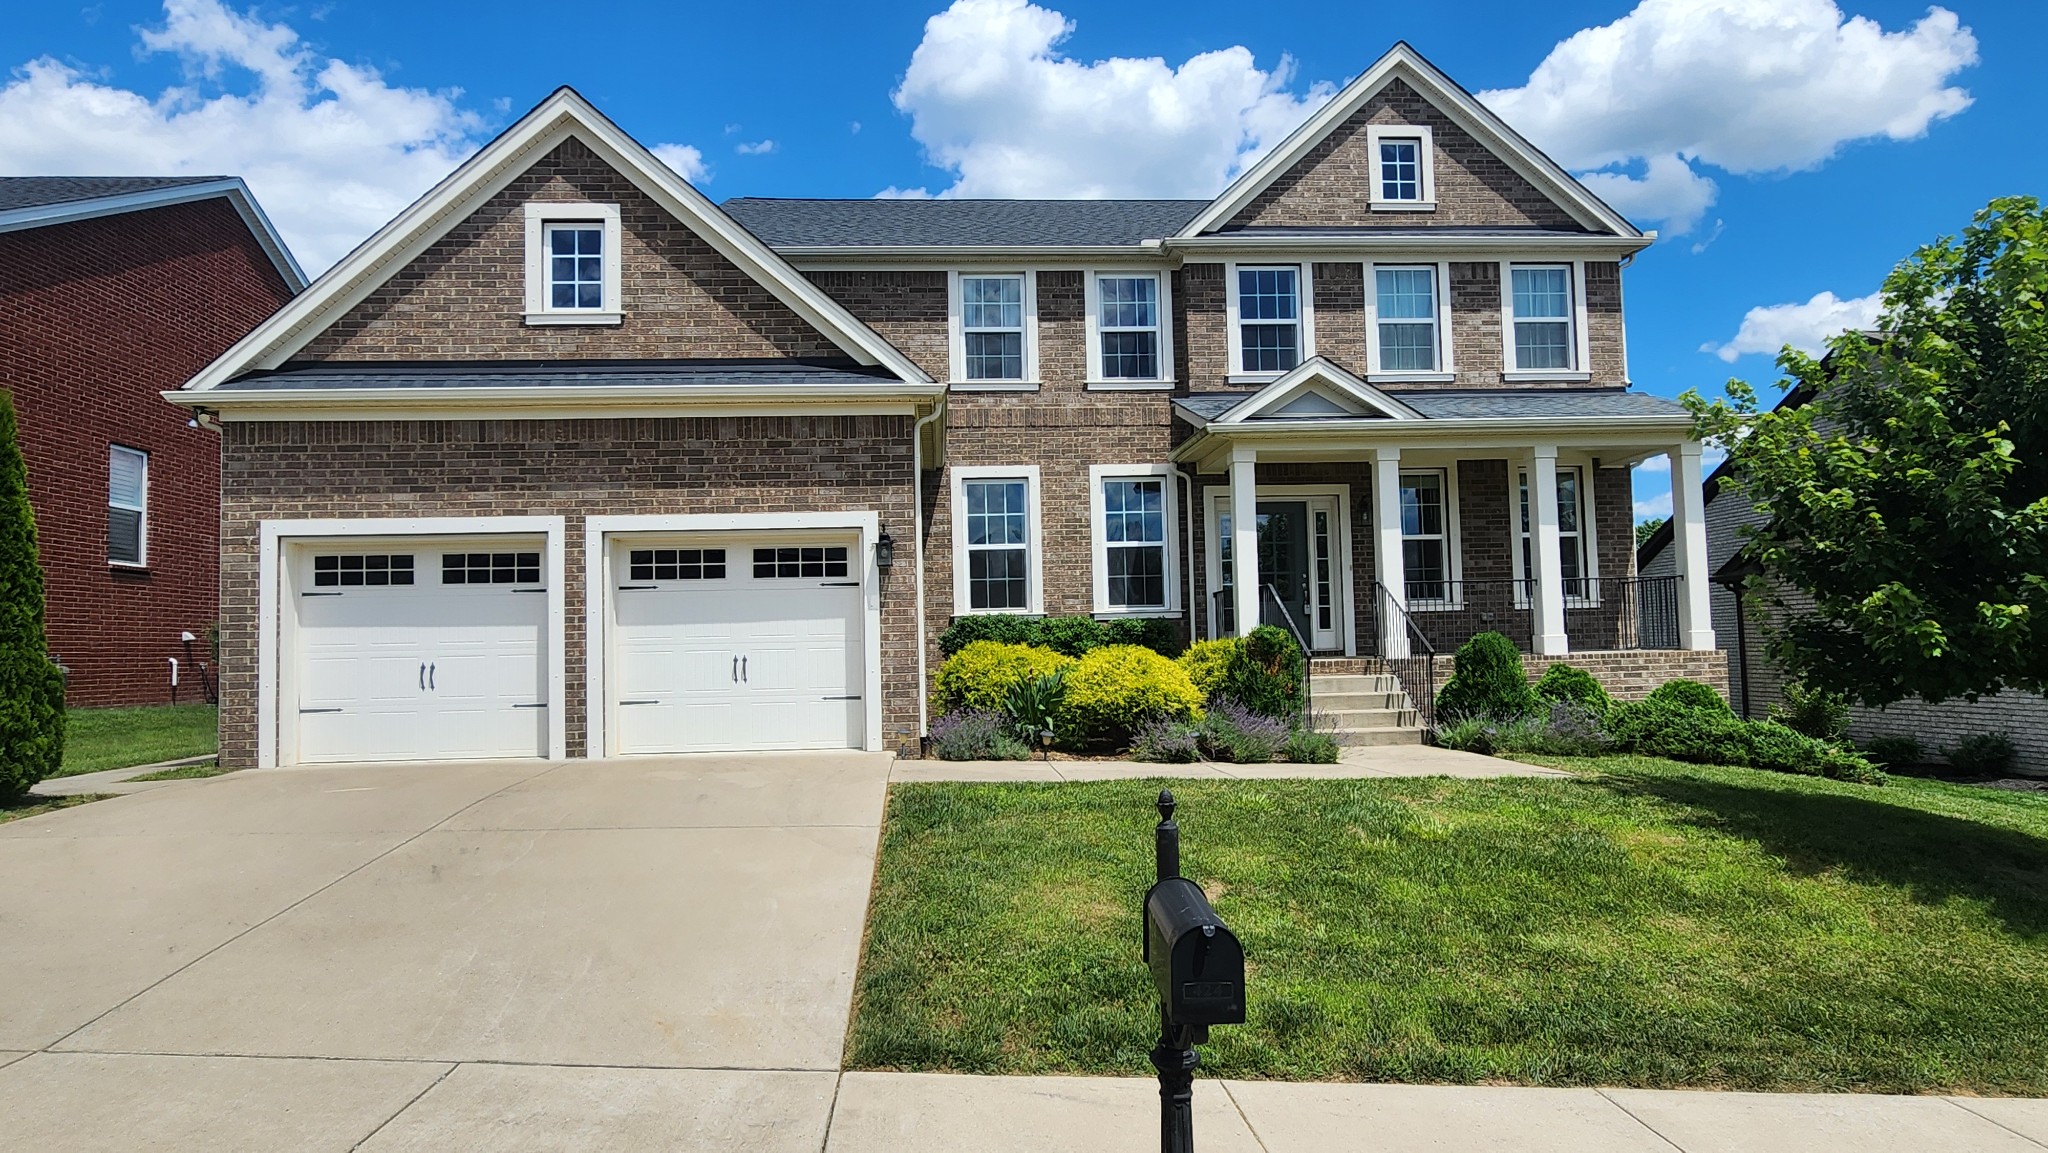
{"type": "Point", "coordinates": [569, 461]}
{"type": "Point", "coordinates": [113, 289]}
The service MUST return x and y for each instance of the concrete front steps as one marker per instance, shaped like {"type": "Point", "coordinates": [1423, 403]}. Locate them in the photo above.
{"type": "Point", "coordinates": [1363, 703]}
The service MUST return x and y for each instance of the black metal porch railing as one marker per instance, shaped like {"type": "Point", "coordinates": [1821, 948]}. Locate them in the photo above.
{"type": "Point", "coordinates": [1601, 613]}
{"type": "Point", "coordinates": [1417, 668]}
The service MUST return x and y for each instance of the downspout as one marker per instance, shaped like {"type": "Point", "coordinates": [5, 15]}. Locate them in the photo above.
{"type": "Point", "coordinates": [917, 528]}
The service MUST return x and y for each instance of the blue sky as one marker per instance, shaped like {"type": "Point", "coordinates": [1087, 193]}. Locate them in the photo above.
{"type": "Point", "coordinates": [1831, 143]}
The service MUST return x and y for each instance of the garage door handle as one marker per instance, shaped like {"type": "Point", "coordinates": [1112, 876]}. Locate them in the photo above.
{"type": "Point", "coordinates": [302, 712]}
{"type": "Point", "coordinates": [430, 677]}
{"type": "Point", "coordinates": [423, 676]}
{"type": "Point", "coordinates": [541, 705]}
{"type": "Point", "coordinates": [636, 588]}
{"type": "Point", "coordinates": [735, 670]}
{"type": "Point", "coordinates": [743, 668]}
{"type": "Point", "coordinates": [839, 585]}
{"type": "Point", "coordinates": [854, 697]}
{"type": "Point", "coordinates": [639, 702]}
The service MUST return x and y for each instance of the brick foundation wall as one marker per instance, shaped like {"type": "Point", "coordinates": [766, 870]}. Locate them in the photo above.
{"type": "Point", "coordinates": [1630, 675]}
{"type": "Point", "coordinates": [96, 318]}
{"type": "Point", "coordinates": [568, 468]}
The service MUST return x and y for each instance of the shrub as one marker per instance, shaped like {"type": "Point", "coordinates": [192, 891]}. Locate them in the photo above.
{"type": "Point", "coordinates": [1166, 742]}
{"type": "Point", "coordinates": [1160, 634]}
{"type": "Point", "coordinates": [1816, 712]}
{"type": "Point", "coordinates": [1074, 636]}
{"type": "Point", "coordinates": [1467, 734]}
{"type": "Point", "coordinates": [1894, 750]}
{"type": "Point", "coordinates": [1486, 681]}
{"type": "Point", "coordinates": [1071, 635]}
{"type": "Point", "coordinates": [1243, 736]}
{"type": "Point", "coordinates": [976, 735]}
{"type": "Point", "coordinates": [1208, 662]}
{"type": "Point", "coordinates": [1986, 755]}
{"type": "Point", "coordinates": [31, 685]}
{"type": "Point", "coordinates": [1113, 691]}
{"type": "Point", "coordinates": [981, 675]}
{"type": "Point", "coordinates": [1031, 705]}
{"type": "Point", "coordinates": [1690, 694]}
{"type": "Point", "coordinates": [1843, 765]}
{"type": "Point", "coordinates": [1562, 682]}
{"type": "Point", "coordinates": [1570, 729]}
{"type": "Point", "coordinates": [1266, 674]}
{"type": "Point", "coordinates": [1666, 728]}
{"type": "Point", "coordinates": [1782, 749]}
{"type": "Point", "coordinates": [999, 628]}
{"type": "Point", "coordinates": [1305, 746]}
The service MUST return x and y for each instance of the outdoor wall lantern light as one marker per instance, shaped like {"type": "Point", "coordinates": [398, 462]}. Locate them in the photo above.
{"type": "Point", "coordinates": [885, 552]}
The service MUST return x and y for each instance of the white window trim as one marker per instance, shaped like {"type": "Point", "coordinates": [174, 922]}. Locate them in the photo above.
{"type": "Point", "coordinates": [1305, 280]}
{"type": "Point", "coordinates": [1374, 133]}
{"type": "Point", "coordinates": [141, 560]}
{"type": "Point", "coordinates": [1034, 544]}
{"type": "Point", "coordinates": [1581, 352]}
{"type": "Point", "coordinates": [1446, 367]}
{"type": "Point", "coordinates": [541, 214]}
{"type": "Point", "coordinates": [956, 336]}
{"type": "Point", "coordinates": [1099, 542]}
{"type": "Point", "coordinates": [1454, 567]}
{"type": "Point", "coordinates": [1589, 532]}
{"type": "Point", "coordinates": [1098, 382]}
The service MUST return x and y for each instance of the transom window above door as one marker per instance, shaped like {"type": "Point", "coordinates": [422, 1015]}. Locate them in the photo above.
{"type": "Point", "coordinates": [1126, 322]}
{"type": "Point", "coordinates": [1268, 304]}
{"type": "Point", "coordinates": [993, 342]}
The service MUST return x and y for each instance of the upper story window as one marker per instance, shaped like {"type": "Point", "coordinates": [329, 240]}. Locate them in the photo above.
{"type": "Point", "coordinates": [127, 506]}
{"type": "Point", "coordinates": [573, 264]}
{"type": "Point", "coordinates": [1269, 335]}
{"type": "Point", "coordinates": [1127, 331]}
{"type": "Point", "coordinates": [1404, 178]}
{"type": "Point", "coordinates": [1406, 331]}
{"type": "Point", "coordinates": [994, 342]}
{"type": "Point", "coordinates": [1542, 334]}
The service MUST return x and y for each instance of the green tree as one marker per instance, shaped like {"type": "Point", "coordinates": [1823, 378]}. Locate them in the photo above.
{"type": "Point", "coordinates": [31, 686]}
{"type": "Point", "coordinates": [1909, 497]}
{"type": "Point", "coordinates": [1647, 529]}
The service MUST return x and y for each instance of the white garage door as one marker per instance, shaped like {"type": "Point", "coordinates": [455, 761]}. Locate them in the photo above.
{"type": "Point", "coordinates": [736, 644]}
{"type": "Point", "coordinates": [420, 652]}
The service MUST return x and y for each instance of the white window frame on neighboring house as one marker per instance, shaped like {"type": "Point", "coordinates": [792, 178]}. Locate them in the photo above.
{"type": "Point", "coordinates": [140, 505]}
{"type": "Point", "coordinates": [1304, 319]}
{"type": "Point", "coordinates": [1425, 158]}
{"type": "Point", "coordinates": [1574, 318]}
{"type": "Point", "coordinates": [1034, 540]}
{"type": "Point", "coordinates": [1586, 540]}
{"type": "Point", "coordinates": [957, 332]}
{"type": "Point", "coordinates": [541, 219]}
{"type": "Point", "coordinates": [1445, 370]}
{"type": "Point", "coordinates": [1162, 312]}
{"type": "Point", "coordinates": [1454, 572]}
{"type": "Point", "coordinates": [1099, 477]}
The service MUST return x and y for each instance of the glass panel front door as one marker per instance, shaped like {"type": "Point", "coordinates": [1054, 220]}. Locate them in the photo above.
{"type": "Point", "coordinates": [1283, 561]}
{"type": "Point", "coordinates": [1299, 558]}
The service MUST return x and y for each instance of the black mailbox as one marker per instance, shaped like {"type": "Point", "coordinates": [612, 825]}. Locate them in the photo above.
{"type": "Point", "coordinates": [1196, 961]}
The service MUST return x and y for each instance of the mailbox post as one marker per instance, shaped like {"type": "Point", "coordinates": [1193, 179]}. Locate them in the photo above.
{"type": "Point", "coordinates": [1198, 968]}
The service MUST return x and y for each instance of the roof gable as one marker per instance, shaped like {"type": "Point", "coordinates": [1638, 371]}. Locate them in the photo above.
{"type": "Point", "coordinates": [1317, 390]}
{"type": "Point", "coordinates": [561, 118]}
{"type": "Point", "coordinates": [42, 201]}
{"type": "Point", "coordinates": [1402, 75]}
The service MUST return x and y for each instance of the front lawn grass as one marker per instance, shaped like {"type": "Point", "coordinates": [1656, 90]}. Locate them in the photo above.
{"type": "Point", "coordinates": [196, 772]}
{"type": "Point", "coordinates": [1642, 923]}
{"type": "Point", "coordinates": [96, 739]}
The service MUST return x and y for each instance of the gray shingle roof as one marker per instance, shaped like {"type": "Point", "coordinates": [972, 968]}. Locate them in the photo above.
{"type": "Point", "coordinates": [870, 223]}
{"type": "Point", "coordinates": [38, 191]}
{"type": "Point", "coordinates": [1481, 404]}
{"type": "Point", "coordinates": [559, 374]}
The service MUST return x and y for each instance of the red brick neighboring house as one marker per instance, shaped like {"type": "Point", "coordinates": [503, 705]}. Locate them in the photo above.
{"type": "Point", "coordinates": [113, 289]}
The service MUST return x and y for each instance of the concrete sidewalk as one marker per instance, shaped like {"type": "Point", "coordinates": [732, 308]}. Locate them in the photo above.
{"type": "Point", "coordinates": [1355, 764]}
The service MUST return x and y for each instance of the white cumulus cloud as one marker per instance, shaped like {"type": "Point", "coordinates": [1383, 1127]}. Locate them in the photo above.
{"type": "Point", "coordinates": [1746, 86]}
{"type": "Point", "coordinates": [686, 159]}
{"type": "Point", "coordinates": [754, 148]}
{"type": "Point", "coordinates": [994, 101]}
{"type": "Point", "coordinates": [1806, 327]}
{"type": "Point", "coordinates": [331, 150]}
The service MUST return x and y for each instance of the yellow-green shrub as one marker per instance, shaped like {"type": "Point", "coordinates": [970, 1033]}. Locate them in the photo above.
{"type": "Point", "coordinates": [1113, 690]}
{"type": "Point", "coordinates": [980, 675]}
{"type": "Point", "coordinates": [1207, 662]}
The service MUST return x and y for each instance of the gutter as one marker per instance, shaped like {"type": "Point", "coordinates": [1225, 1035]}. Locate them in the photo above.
{"type": "Point", "coordinates": [1407, 242]}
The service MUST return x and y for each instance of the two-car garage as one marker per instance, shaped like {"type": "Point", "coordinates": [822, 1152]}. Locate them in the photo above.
{"type": "Point", "coordinates": [703, 634]}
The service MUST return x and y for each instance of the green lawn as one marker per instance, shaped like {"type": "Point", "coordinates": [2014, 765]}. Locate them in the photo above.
{"type": "Point", "coordinates": [1643, 923]}
{"type": "Point", "coordinates": [184, 773]}
{"type": "Point", "coordinates": [96, 739]}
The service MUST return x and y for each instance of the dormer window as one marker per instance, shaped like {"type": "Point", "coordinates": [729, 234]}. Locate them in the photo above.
{"type": "Point", "coordinates": [1404, 179]}
{"type": "Point", "coordinates": [572, 264]}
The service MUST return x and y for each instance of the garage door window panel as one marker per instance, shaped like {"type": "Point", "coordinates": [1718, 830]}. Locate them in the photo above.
{"type": "Point", "coordinates": [787, 562]}
{"type": "Point", "coordinates": [367, 570]}
{"type": "Point", "coordinates": [669, 564]}
{"type": "Point", "coordinates": [490, 568]}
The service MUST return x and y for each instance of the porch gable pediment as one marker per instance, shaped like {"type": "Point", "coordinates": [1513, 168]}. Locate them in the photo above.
{"type": "Point", "coordinates": [1318, 390]}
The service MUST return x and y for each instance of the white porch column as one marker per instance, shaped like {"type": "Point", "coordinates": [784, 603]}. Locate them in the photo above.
{"type": "Point", "coordinates": [1689, 533]}
{"type": "Point", "coordinates": [1244, 536]}
{"type": "Point", "coordinates": [1546, 600]}
{"type": "Point", "coordinates": [1387, 564]}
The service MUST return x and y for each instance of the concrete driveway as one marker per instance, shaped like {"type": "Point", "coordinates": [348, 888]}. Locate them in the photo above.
{"type": "Point", "coordinates": [503, 956]}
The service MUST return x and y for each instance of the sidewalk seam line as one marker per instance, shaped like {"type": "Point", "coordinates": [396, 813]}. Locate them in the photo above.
{"type": "Point", "coordinates": [832, 1111]}
{"type": "Point", "coordinates": [1631, 1115]}
{"type": "Point", "coordinates": [410, 1102]}
{"type": "Point", "coordinates": [1993, 1120]}
{"type": "Point", "coordinates": [1242, 1115]}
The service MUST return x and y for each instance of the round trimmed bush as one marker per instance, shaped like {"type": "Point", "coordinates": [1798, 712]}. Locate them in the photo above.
{"type": "Point", "coordinates": [1563, 682]}
{"type": "Point", "coordinates": [1267, 673]}
{"type": "Point", "coordinates": [1074, 636]}
{"type": "Point", "coordinates": [981, 675]}
{"type": "Point", "coordinates": [1690, 695]}
{"type": "Point", "coordinates": [1208, 662]}
{"type": "Point", "coordinates": [1002, 628]}
{"type": "Point", "coordinates": [1115, 690]}
{"type": "Point", "coordinates": [1487, 680]}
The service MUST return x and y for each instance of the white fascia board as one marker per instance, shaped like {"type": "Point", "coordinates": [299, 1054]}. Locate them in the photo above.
{"type": "Point", "coordinates": [1275, 247]}
{"type": "Point", "coordinates": [1316, 368]}
{"type": "Point", "coordinates": [1405, 63]}
{"type": "Point", "coordinates": [841, 398]}
{"type": "Point", "coordinates": [231, 187]}
{"type": "Point", "coordinates": [946, 255]}
{"type": "Point", "coordinates": [488, 172]}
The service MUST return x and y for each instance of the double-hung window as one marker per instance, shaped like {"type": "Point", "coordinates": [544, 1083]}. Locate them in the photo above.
{"type": "Point", "coordinates": [1130, 343]}
{"type": "Point", "coordinates": [1540, 302]}
{"type": "Point", "coordinates": [127, 506]}
{"type": "Point", "coordinates": [994, 340]}
{"type": "Point", "coordinates": [1571, 535]}
{"type": "Point", "coordinates": [1426, 539]}
{"type": "Point", "coordinates": [1133, 515]}
{"type": "Point", "coordinates": [1401, 156]}
{"type": "Point", "coordinates": [1406, 320]}
{"type": "Point", "coordinates": [996, 539]}
{"type": "Point", "coordinates": [1269, 316]}
{"type": "Point", "coordinates": [573, 263]}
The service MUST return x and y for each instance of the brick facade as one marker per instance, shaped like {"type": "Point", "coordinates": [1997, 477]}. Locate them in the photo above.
{"type": "Point", "coordinates": [97, 317]}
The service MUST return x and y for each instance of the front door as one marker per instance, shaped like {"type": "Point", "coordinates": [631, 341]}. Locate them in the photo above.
{"type": "Point", "coordinates": [1283, 562]}
{"type": "Point", "coordinates": [1298, 558]}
